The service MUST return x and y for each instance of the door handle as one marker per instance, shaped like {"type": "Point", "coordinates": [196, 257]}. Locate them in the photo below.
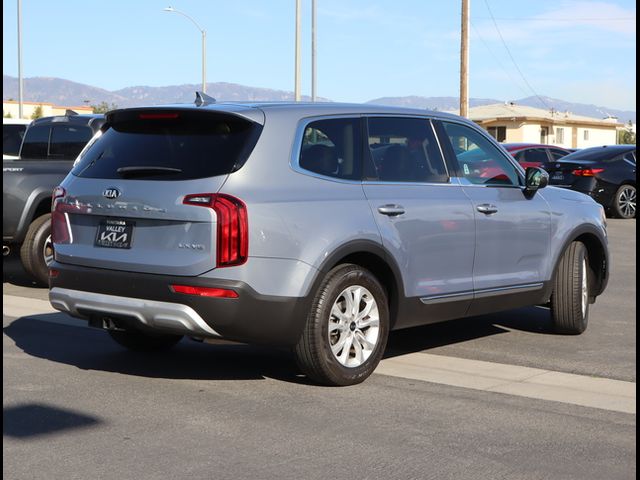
{"type": "Point", "coordinates": [487, 208]}
{"type": "Point", "coordinates": [391, 210]}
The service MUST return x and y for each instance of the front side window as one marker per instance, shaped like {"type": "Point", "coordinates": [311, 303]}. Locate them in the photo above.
{"type": "Point", "coordinates": [331, 148]}
{"type": "Point", "coordinates": [480, 161]}
{"type": "Point", "coordinates": [405, 150]}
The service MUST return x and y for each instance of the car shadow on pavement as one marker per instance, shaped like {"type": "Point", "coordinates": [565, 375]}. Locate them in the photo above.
{"type": "Point", "coordinates": [93, 349]}
{"type": "Point", "coordinates": [417, 339]}
{"type": "Point", "coordinates": [13, 272]}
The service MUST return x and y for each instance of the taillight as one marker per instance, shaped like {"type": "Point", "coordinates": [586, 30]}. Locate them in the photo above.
{"type": "Point", "coordinates": [587, 172]}
{"type": "Point", "coordinates": [60, 229]}
{"type": "Point", "coordinates": [204, 291]}
{"type": "Point", "coordinates": [232, 232]}
{"type": "Point", "coordinates": [158, 116]}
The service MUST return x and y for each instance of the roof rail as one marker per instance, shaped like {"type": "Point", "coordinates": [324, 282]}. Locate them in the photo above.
{"type": "Point", "coordinates": [203, 99]}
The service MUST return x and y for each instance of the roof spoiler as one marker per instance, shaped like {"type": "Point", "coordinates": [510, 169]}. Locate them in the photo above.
{"type": "Point", "coordinates": [202, 99]}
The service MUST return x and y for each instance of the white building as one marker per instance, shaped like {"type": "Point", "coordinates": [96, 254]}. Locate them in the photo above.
{"type": "Point", "coordinates": [512, 123]}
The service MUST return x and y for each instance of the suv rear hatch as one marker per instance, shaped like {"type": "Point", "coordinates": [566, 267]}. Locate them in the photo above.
{"type": "Point", "coordinates": [143, 197]}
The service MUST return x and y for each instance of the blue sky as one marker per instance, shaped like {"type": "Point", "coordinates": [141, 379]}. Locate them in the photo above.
{"type": "Point", "coordinates": [575, 50]}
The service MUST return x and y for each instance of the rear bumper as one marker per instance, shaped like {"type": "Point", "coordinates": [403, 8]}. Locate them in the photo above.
{"type": "Point", "coordinates": [145, 301]}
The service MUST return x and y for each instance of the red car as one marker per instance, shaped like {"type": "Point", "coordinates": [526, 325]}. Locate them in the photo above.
{"type": "Point", "coordinates": [534, 154]}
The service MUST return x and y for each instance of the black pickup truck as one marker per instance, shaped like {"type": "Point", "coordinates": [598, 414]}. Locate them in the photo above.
{"type": "Point", "coordinates": [49, 147]}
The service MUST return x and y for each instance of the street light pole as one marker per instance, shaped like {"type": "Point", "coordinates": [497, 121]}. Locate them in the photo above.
{"type": "Point", "coordinates": [313, 50]}
{"type": "Point", "coordinates": [204, 45]}
{"type": "Point", "coordinates": [298, 52]}
{"type": "Point", "coordinates": [20, 99]}
{"type": "Point", "coordinates": [464, 60]}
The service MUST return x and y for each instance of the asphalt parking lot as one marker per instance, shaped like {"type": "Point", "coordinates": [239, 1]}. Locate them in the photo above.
{"type": "Point", "coordinates": [78, 406]}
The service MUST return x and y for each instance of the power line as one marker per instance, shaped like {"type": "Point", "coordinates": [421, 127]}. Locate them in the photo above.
{"type": "Point", "coordinates": [495, 57]}
{"type": "Point", "coordinates": [511, 56]}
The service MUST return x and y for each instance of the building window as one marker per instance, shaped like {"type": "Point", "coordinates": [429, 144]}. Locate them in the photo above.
{"type": "Point", "coordinates": [559, 135]}
{"type": "Point", "coordinates": [586, 134]}
{"type": "Point", "coordinates": [499, 133]}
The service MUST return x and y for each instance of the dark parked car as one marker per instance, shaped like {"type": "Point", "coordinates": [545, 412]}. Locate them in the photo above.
{"type": "Point", "coordinates": [607, 173]}
{"type": "Point", "coordinates": [46, 155]}
{"type": "Point", "coordinates": [535, 155]}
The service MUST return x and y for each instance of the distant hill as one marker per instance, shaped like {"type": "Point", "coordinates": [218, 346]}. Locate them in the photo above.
{"type": "Point", "coordinates": [66, 92]}
{"type": "Point", "coordinates": [452, 103]}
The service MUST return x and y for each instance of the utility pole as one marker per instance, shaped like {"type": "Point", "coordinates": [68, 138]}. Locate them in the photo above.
{"type": "Point", "coordinates": [464, 60]}
{"type": "Point", "coordinates": [298, 51]}
{"type": "Point", "coordinates": [313, 50]}
{"type": "Point", "coordinates": [20, 97]}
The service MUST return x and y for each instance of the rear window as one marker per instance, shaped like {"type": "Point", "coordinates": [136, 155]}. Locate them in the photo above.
{"type": "Point", "coordinates": [172, 145]}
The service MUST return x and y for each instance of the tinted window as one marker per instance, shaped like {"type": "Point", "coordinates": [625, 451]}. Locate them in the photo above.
{"type": "Point", "coordinates": [168, 146]}
{"type": "Point", "coordinates": [67, 141]}
{"type": "Point", "coordinates": [480, 161]}
{"type": "Point", "coordinates": [36, 142]}
{"type": "Point", "coordinates": [556, 154]}
{"type": "Point", "coordinates": [535, 155]}
{"type": "Point", "coordinates": [630, 157]}
{"type": "Point", "coordinates": [405, 150]}
{"type": "Point", "coordinates": [332, 148]}
{"type": "Point", "coordinates": [12, 138]}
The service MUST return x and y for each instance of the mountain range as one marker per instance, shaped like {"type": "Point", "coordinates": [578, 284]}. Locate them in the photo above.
{"type": "Point", "coordinates": [66, 92]}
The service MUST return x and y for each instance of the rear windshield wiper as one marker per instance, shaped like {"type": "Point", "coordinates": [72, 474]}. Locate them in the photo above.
{"type": "Point", "coordinates": [143, 171]}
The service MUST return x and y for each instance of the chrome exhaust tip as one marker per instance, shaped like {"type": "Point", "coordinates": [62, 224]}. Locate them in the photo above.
{"type": "Point", "coordinates": [5, 250]}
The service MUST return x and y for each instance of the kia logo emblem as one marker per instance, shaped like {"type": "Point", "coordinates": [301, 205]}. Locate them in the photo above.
{"type": "Point", "coordinates": [111, 193]}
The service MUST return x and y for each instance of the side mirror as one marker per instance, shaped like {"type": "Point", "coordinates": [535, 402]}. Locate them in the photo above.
{"type": "Point", "coordinates": [536, 178]}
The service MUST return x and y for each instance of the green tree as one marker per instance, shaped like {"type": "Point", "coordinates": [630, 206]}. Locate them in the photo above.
{"type": "Point", "coordinates": [626, 135]}
{"type": "Point", "coordinates": [37, 112]}
{"type": "Point", "coordinates": [103, 107]}
{"type": "Point", "coordinates": [7, 115]}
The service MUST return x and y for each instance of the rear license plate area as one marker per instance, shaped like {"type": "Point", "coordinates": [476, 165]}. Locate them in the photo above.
{"type": "Point", "coordinates": [114, 234]}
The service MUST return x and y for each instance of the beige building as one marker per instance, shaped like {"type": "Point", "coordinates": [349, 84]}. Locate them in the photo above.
{"type": "Point", "coordinates": [48, 109]}
{"type": "Point", "coordinates": [512, 123]}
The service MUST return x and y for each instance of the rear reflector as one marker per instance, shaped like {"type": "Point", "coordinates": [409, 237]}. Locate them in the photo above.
{"type": "Point", "coordinates": [204, 291]}
{"type": "Point", "coordinates": [587, 172]}
{"type": "Point", "coordinates": [53, 273]}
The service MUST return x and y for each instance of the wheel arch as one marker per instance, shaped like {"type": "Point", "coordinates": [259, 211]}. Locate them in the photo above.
{"type": "Point", "coordinates": [373, 257]}
{"type": "Point", "coordinates": [598, 256]}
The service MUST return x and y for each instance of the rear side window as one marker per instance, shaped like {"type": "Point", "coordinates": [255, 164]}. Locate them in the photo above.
{"type": "Point", "coordinates": [67, 141]}
{"type": "Point", "coordinates": [405, 150]}
{"type": "Point", "coordinates": [58, 142]}
{"type": "Point", "coordinates": [36, 142]}
{"type": "Point", "coordinates": [174, 145]}
{"type": "Point", "coordinates": [12, 138]}
{"type": "Point", "coordinates": [332, 148]}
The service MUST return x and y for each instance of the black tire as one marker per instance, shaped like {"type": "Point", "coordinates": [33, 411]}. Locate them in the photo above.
{"type": "Point", "coordinates": [32, 250]}
{"type": "Point", "coordinates": [624, 202]}
{"type": "Point", "coordinates": [313, 352]}
{"type": "Point", "coordinates": [569, 302]}
{"type": "Point", "coordinates": [144, 342]}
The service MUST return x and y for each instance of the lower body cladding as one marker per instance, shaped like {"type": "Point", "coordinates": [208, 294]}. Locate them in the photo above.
{"type": "Point", "coordinates": [114, 299]}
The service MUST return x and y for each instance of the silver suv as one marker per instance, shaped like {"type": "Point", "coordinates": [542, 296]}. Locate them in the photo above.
{"type": "Point", "coordinates": [319, 227]}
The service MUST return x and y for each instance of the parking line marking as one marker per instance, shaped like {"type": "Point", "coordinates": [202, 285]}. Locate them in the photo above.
{"type": "Point", "coordinates": [594, 392]}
